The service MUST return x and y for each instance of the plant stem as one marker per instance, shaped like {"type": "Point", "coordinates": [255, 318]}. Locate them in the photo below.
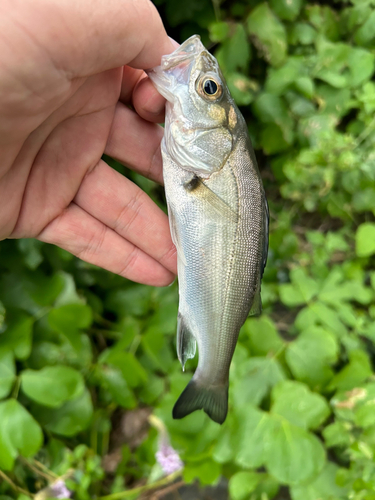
{"type": "Point", "coordinates": [14, 486]}
{"type": "Point", "coordinates": [129, 493]}
{"type": "Point", "coordinates": [16, 387]}
{"type": "Point", "coordinates": [42, 466]}
{"type": "Point", "coordinates": [46, 475]}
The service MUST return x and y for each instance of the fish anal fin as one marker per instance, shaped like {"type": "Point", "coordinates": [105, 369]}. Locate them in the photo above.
{"type": "Point", "coordinates": [186, 343]}
{"type": "Point", "coordinates": [256, 307]}
{"type": "Point", "coordinates": [213, 399]}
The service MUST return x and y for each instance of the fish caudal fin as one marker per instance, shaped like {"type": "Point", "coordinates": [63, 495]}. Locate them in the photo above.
{"type": "Point", "coordinates": [212, 399]}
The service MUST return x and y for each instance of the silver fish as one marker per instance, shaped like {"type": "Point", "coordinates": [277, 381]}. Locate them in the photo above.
{"type": "Point", "coordinates": [218, 218]}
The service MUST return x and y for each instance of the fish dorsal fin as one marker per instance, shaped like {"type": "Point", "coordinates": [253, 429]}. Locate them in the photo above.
{"type": "Point", "coordinates": [186, 343]}
{"type": "Point", "coordinates": [256, 307]}
{"type": "Point", "coordinates": [197, 187]}
{"type": "Point", "coordinates": [266, 234]}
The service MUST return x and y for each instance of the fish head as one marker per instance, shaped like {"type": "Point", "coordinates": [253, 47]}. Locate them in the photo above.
{"type": "Point", "coordinates": [202, 119]}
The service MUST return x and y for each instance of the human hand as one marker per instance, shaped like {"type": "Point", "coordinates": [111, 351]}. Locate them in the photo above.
{"type": "Point", "coordinates": [68, 70]}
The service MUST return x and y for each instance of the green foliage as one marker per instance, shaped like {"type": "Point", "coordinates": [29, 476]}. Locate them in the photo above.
{"type": "Point", "coordinates": [80, 348]}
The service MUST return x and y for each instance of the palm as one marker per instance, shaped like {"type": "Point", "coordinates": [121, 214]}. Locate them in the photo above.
{"type": "Point", "coordinates": [69, 146]}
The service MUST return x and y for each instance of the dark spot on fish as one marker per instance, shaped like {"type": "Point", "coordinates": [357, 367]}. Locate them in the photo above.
{"type": "Point", "coordinates": [192, 184]}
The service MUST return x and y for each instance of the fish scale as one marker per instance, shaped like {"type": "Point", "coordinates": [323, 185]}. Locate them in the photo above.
{"type": "Point", "coordinates": [218, 216]}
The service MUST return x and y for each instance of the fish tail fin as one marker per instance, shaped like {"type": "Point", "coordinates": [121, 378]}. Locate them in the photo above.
{"type": "Point", "coordinates": [213, 399]}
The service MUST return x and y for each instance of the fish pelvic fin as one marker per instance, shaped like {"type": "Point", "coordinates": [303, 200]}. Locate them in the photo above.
{"type": "Point", "coordinates": [186, 343]}
{"type": "Point", "coordinates": [213, 399]}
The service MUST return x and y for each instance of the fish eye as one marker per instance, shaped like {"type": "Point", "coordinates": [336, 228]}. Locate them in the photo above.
{"type": "Point", "coordinates": [209, 88]}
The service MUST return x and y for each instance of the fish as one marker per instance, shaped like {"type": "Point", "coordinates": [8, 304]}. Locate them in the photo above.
{"type": "Point", "coordinates": [218, 216]}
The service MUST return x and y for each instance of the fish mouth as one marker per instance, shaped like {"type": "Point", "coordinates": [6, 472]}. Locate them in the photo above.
{"type": "Point", "coordinates": [175, 68]}
{"type": "Point", "coordinates": [185, 52]}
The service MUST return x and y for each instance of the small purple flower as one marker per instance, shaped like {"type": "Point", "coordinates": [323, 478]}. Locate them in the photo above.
{"type": "Point", "coordinates": [59, 489]}
{"type": "Point", "coordinates": [168, 458]}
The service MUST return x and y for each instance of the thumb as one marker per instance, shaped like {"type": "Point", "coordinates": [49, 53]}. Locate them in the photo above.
{"type": "Point", "coordinates": [84, 37]}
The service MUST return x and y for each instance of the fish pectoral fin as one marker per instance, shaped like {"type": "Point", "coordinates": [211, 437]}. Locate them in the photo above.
{"type": "Point", "coordinates": [256, 308]}
{"type": "Point", "coordinates": [212, 399]}
{"type": "Point", "coordinates": [198, 187]}
{"type": "Point", "coordinates": [174, 235]}
{"type": "Point", "coordinates": [186, 343]}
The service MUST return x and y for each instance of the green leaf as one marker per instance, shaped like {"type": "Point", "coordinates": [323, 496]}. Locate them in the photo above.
{"type": "Point", "coordinates": [219, 31]}
{"type": "Point", "coordinates": [302, 33]}
{"type": "Point", "coordinates": [337, 434]}
{"type": "Point", "coordinates": [31, 250]}
{"type": "Point", "coordinates": [241, 88]}
{"type": "Point", "coordinates": [254, 431]}
{"type": "Point", "coordinates": [309, 356]}
{"type": "Point", "coordinates": [19, 433]}
{"type": "Point", "coordinates": [328, 318]}
{"type": "Point", "coordinates": [275, 139]}
{"type": "Point", "coordinates": [17, 335]}
{"type": "Point", "coordinates": [234, 53]}
{"type": "Point", "coordinates": [71, 418]}
{"type": "Point", "coordinates": [131, 369]}
{"type": "Point", "coordinates": [263, 337]}
{"type": "Point", "coordinates": [324, 19]}
{"type": "Point", "coordinates": [68, 294]}
{"type": "Point", "coordinates": [7, 373]}
{"type": "Point", "coordinates": [279, 79]}
{"type": "Point", "coordinates": [155, 347]}
{"type": "Point", "coordinates": [293, 455]}
{"type": "Point", "coordinates": [270, 34]}
{"type": "Point", "coordinates": [207, 472]}
{"type": "Point", "coordinates": [361, 66]}
{"type": "Point", "coordinates": [53, 385]}
{"type": "Point", "coordinates": [113, 382]}
{"type": "Point", "coordinates": [69, 319]}
{"type": "Point", "coordinates": [287, 9]}
{"type": "Point", "coordinates": [254, 378]}
{"type": "Point", "coordinates": [225, 447]}
{"type": "Point", "coordinates": [295, 402]}
{"type": "Point", "coordinates": [267, 488]}
{"type": "Point", "coordinates": [152, 391]}
{"type": "Point", "coordinates": [366, 33]}
{"type": "Point", "coordinates": [135, 300]}
{"type": "Point", "coordinates": [270, 108]}
{"type": "Point", "coordinates": [302, 289]}
{"type": "Point", "coordinates": [305, 85]}
{"type": "Point", "coordinates": [365, 239]}
{"type": "Point", "coordinates": [363, 400]}
{"type": "Point", "coordinates": [324, 486]}
{"type": "Point", "coordinates": [241, 484]}
{"type": "Point", "coordinates": [354, 373]}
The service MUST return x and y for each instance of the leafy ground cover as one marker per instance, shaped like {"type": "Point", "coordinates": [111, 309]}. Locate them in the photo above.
{"type": "Point", "coordinates": [86, 357]}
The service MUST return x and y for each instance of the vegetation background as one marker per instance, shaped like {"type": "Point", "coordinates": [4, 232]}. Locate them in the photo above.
{"type": "Point", "coordinates": [86, 356]}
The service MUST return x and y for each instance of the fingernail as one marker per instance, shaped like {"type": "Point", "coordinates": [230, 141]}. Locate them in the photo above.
{"type": "Point", "coordinates": [174, 43]}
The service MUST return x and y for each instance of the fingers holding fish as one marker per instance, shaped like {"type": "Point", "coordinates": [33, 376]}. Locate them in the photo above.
{"type": "Point", "coordinates": [138, 90]}
{"type": "Point", "coordinates": [135, 142]}
{"type": "Point", "coordinates": [148, 103]}
{"type": "Point", "coordinates": [123, 207]}
{"type": "Point", "coordinates": [84, 236]}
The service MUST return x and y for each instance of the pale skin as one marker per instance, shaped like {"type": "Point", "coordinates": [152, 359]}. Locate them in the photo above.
{"type": "Point", "coordinates": [69, 69]}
